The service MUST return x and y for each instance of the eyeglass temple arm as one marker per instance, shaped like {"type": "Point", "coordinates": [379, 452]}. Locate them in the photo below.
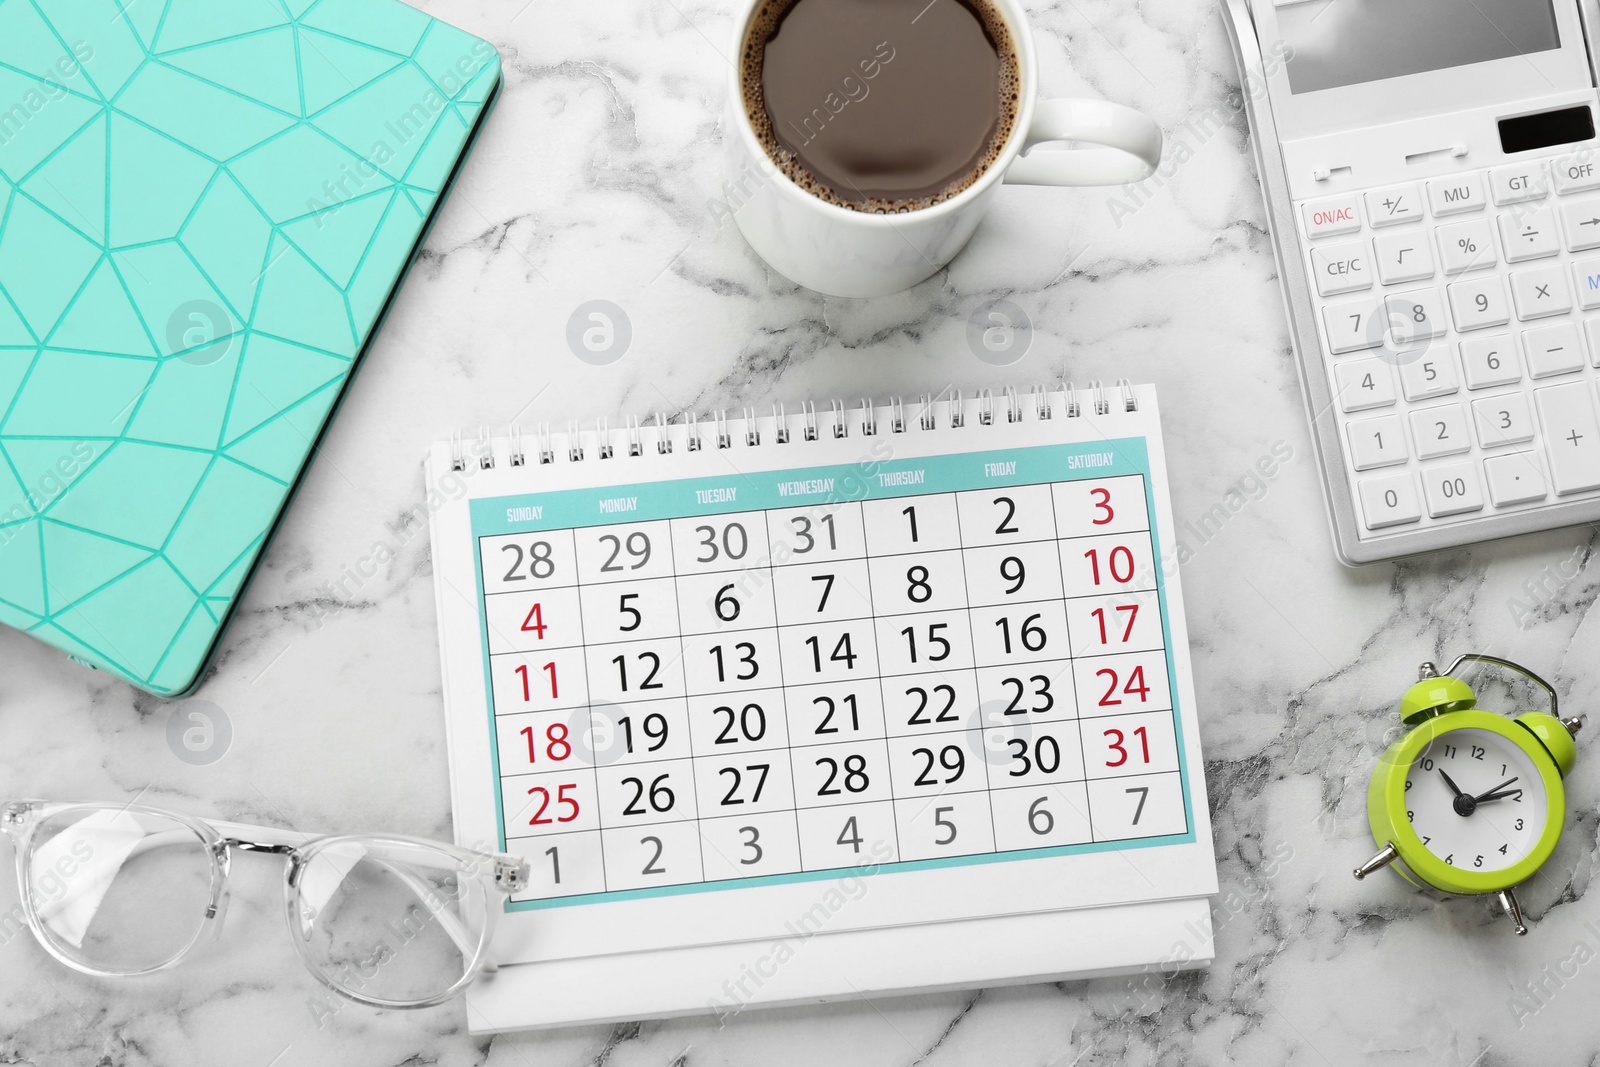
{"type": "Point", "coordinates": [273, 836]}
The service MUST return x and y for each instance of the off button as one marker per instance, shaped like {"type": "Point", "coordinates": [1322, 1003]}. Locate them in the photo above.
{"type": "Point", "coordinates": [1577, 172]}
{"type": "Point", "coordinates": [1337, 214]}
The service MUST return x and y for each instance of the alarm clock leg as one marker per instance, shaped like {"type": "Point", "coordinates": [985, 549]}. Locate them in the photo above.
{"type": "Point", "coordinates": [1513, 909]}
{"type": "Point", "coordinates": [1378, 862]}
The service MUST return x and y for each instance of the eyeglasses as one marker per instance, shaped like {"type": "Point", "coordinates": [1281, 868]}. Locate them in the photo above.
{"type": "Point", "coordinates": [393, 922]}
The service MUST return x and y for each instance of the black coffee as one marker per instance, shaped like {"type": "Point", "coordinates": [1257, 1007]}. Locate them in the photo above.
{"type": "Point", "coordinates": [881, 105]}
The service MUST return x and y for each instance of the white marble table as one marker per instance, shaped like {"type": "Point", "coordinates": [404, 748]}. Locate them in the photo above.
{"type": "Point", "coordinates": [597, 179]}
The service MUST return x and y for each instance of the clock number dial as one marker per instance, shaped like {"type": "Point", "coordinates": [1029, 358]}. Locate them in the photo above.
{"type": "Point", "coordinates": [1475, 800]}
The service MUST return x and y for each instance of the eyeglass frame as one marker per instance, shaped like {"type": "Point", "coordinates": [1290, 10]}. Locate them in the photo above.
{"type": "Point", "coordinates": [498, 872]}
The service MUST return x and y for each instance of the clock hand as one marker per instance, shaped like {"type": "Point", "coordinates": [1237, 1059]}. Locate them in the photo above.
{"type": "Point", "coordinates": [1495, 792]}
{"type": "Point", "coordinates": [1463, 804]}
{"type": "Point", "coordinates": [1500, 795]}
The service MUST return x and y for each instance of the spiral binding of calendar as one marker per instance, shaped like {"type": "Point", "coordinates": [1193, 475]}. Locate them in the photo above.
{"type": "Point", "coordinates": [749, 429]}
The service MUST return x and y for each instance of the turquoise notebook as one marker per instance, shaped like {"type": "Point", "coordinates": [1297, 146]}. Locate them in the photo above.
{"type": "Point", "coordinates": [205, 208]}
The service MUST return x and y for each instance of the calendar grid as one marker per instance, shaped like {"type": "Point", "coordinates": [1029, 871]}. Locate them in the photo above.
{"type": "Point", "coordinates": [683, 652]}
{"type": "Point", "coordinates": [788, 755]}
{"type": "Point", "coordinates": [1051, 681]}
{"type": "Point", "coordinates": [871, 617]}
{"type": "Point", "coordinates": [966, 596]}
{"type": "Point", "coordinates": [793, 785]}
{"type": "Point", "coordinates": [1072, 668]}
{"type": "Point", "coordinates": [600, 828]}
{"type": "Point", "coordinates": [588, 687]}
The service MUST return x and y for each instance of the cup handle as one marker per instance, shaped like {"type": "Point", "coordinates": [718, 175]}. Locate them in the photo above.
{"type": "Point", "coordinates": [1131, 140]}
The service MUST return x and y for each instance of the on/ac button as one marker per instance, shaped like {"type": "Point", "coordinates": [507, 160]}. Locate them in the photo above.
{"type": "Point", "coordinates": [1337, 214]}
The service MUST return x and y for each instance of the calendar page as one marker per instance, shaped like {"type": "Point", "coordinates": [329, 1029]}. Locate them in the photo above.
{"type": "Point", "coordinates": [696, 690]}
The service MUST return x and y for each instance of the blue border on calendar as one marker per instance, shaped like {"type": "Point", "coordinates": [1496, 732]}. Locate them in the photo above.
{"type": "Point", "coordinates": [848, 483]}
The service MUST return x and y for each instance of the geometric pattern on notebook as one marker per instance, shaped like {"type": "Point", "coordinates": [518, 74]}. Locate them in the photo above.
{"type": "Point", "coordinates": [205, 206]}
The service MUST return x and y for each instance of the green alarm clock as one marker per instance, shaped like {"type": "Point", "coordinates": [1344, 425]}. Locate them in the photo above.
{"type": "Point", "coordinates": [1470, 801]}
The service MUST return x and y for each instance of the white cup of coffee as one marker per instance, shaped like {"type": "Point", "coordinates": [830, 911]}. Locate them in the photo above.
{"type": "Point", "coordinates": [881, 181]}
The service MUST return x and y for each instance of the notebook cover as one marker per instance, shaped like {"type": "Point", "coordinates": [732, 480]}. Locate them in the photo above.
{"type": "Point", "coordinates": [205, 208]}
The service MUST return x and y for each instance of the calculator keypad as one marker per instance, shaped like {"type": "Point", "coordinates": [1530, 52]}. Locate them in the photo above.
{"type": "Point", "coordinates": [761, 694]}
{"type": "Point", "coordinates": [1460, 319]}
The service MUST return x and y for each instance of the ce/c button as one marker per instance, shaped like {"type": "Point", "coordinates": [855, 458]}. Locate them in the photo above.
{"type": "Point", "coordinates": [1341, 268]}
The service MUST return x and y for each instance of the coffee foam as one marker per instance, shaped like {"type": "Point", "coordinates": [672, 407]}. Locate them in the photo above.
{"type": "Point", "coordinates": [764, 24]}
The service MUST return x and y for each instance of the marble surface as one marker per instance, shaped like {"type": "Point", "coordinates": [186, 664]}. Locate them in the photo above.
{"type": "Point", "coordinates": [596, 178]}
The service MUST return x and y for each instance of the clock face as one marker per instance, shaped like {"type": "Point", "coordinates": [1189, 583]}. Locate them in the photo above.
{"type": "Point", "coordinates": [1501, 808]}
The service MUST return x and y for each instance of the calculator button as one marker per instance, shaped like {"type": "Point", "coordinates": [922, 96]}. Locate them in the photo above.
{"type": "Point", "coordinates": [1540, 292]}
{"type": "Point", "coordinates": [1479, 303]}
{"type": "Point", "coordinates": [1591, 330]}
{"type": "Point", "coordinates": [1515, 478]}
{"type": "Point", "coordinates": [1414, 315]}
{"type": "Point", "coordinates": [1364, 383]}
{"type": "Point", "coordinates": [1502, 420]}
{"type": "Point", "coordinates": [1581, 220]}
{"type": "Point", "coordinates": [1453, 489]}
{"type": "Point", "coordinates": [1390, 500]}
{"type": "Point", "coordinates": [1350, 326]}
{"type": "Point", "coordinates": [1519, 182]}
{"type": "Point", "coordinates": [1571, 436]}
{"type": "Point", "coordinates": [1552, 350]}
{"type": "Point", "coordinates": [1576, 172]}
{"type": "Point", "coordinates": [1404, 257]}
{"type": "Point", "coordinates": [1440, 431]}
{"type": "Point", "coordinates": [1341, 268]}
{"type": "Point", "coordinates": [1490, 361]}
{"type": "Point", "coordinates": [1466, 246]}
{"type": "Point", "coordinates": [1379, 442]}
{"type": "Point", "coordinates": [1394, 205]}
{"type": "Point", "coordinates": [1529, 235]}
{"type": "Point", "coordinates": [1586, 276]}
{"type": "Point", "coordinates": [1451, 196]}
{"type": "Point", "coordinates": [1338, 214]}
{"type": "Point", "coordinates": [1434, 375]}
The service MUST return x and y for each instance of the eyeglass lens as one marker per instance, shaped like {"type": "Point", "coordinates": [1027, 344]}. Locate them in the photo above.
{"type": "Point", "coordinates": [388, 921]}
{"type": "Point", "coordinates": [118, 891]}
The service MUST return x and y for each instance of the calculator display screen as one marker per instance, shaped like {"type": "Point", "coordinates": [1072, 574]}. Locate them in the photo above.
{"type": "Point", "coordinates": [1343, 42]}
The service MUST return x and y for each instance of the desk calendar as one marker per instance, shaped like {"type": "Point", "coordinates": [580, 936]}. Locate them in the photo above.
{"type": "Point", "coordinates": [867, 678]}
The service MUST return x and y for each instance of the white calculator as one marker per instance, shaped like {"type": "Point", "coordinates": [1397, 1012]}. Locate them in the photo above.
{"type": "Point", "coordinates": [1433, 189]}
